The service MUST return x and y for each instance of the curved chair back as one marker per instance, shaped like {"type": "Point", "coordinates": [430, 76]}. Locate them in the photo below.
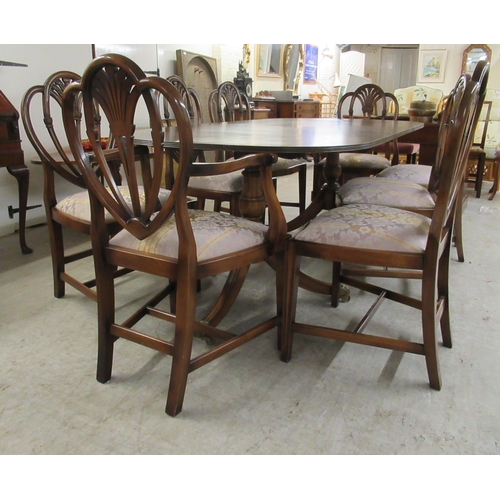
{"type": "Point", "coordinates": [190, 98]}
{"type": "Point", "coordinates": [373, 102]}
{"type": "Point", "coordinates": [122, 91]}
{"type": "Point", "coordinates": [228, 104]}
{"type": "Point", "coordinates": [480, 76]}
{"type": "Point", "coordinates": [49, 93]}
{"type": "Point", "coordinates": [456, 134]}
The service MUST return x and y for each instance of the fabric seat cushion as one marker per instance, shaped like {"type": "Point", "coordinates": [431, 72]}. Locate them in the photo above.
{"type": "Point", "coordinates": [216, 234]}
{"type": "Point", "coordinates": [363, 160]}
{"type": "Point", "coordinates": [387, 192]}
{"type": "Point", "coordinates": [370, 227]}
{"type": "Point", "coordinates": [226, 183]}
{"type": "Point", "coordinates": [419, 174]}
{"type": "Point", "coordinates": [78, 205]}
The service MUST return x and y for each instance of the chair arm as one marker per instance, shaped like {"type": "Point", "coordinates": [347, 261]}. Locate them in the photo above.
{"type": "Point", "coordinates": [231, 165]}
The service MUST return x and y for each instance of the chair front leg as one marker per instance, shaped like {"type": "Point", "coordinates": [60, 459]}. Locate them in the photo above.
{"type": "Point", "coordinates": [429, 326]}
{"type": "Point", "coordinates": [183, 340]}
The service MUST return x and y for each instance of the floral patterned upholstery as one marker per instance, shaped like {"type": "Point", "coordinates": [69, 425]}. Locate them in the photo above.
{"type": "Point", "coordinates": [363, 160]}
{"type": "Point", "coordinates": [419, 174]}
{"type": "Point", "coordinates": [371, 227]}
{"type": "Point", "coordinates": [227, 183]}
{"type": "Point", "coordinates": [78, 205]}
{"type": "Point", "coordinates": [391, 193]}
{"type": "Point", "coordinates": [216, 234]}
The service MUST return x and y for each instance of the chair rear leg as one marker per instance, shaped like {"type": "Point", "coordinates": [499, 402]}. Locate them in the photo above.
{"type": "Point", "coordinates": [457, 226]}
{"type": "Point", "coordinates": [57, 254]}
{"type": "Point", "coordinates": [443, 291]}
{"type": "Point", "coordinates": [289, 291]}
{"type": "Point", "coordinates": [335, 295]}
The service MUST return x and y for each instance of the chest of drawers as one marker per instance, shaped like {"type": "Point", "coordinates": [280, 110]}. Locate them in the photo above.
{"type": "Point", "coordinates": [290, 109]}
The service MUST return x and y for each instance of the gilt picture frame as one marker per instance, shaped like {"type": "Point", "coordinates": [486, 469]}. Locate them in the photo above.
{"type": "Point", "coordinates": [432, 66]}
{"type": "Point", "coordinates": [269, 60]}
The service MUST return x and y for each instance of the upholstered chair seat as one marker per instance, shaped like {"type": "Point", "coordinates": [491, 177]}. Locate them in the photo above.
{"type": "Point", "coordinates": [78, 205]}
{"type": "Point", "coordinates": [387, 192]}
{"type": "Point", "coordinates": [363, 161]}
{"type": "Point", "coordinates": [216, 235]}
{"type": "Point", "coordinates": [419, 174]}
{"type": "Point", "coordinates": [371, 227]}
{"type": "Point", "coordinates": [228, 183]}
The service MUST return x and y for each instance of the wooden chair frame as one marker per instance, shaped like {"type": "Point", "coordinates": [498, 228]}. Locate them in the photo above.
{"type": "Point", "coordinates": [59, 163]}
{"type": "Point", "coordinates": [118, 84]}
{"type": "Point", "coordinates": [456, 135]}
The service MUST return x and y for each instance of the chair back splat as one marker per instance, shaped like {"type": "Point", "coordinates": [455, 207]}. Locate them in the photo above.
{"type": "Point", "coordinates": [395, 242]}
{"type": "Point", "coordinates": [49, 141]}
{"type": "Point", "coordinates": [166, 240]}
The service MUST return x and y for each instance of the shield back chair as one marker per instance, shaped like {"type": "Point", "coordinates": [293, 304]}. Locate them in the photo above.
{"type": "Point", "coordinates": [228, 104]}
{"type": "Point", "coordinates": [373, 103]}
{"type": "Point", "coordinates": [385, 190]}
{"type": "Point", "coordinates": [73, 211]}
{"type": "Point", "coordinates": [477, 153]}
{"type": "Point", "coordinates": [195, 112]}
{"type": "Point", "coordinates": [375, 235]}
{"type": "Point", "coordinates": [411, 187]}
{"type": "Point", "coordinates": [176, 243]}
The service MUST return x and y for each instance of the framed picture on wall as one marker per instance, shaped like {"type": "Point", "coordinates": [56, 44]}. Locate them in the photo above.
{"type": "Point", "coordinates": [311, 64]}
{"type": "Point", "coordinates": [431, 66]}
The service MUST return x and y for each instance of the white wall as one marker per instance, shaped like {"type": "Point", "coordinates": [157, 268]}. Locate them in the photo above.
{"type": "Point", "coordinates": [42, 61]}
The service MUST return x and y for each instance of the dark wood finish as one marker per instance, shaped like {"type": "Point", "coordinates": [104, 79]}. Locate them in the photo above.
{"type": "Point", "coordinates": [119, 86]}
{"type": "Point", "coordinates": [456, 135]}
{"type": "Point", "coordinates": [374, 103]}
{"type": "Point", "coordinates": [496, 168]}
{"type": "Point", "coordinates": [478, 153]}
{"type": "Point", "coordinates": [293, 135]}
{"type": "Point", "coordinates": [58, 163]}
{"type": "Point", "coordinates": [228, 104]}
{"type": "Point", "coordinates": [289, 109]}
{"type": "Point", "coordinates": [427, 137]}
{"type": "Point", "coordinates": [12, 157]}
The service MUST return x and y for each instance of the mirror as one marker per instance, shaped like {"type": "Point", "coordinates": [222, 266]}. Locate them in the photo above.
{"type": "Point", "coordinates": [269, 60]}
{"type": "Point", "coordinates": [472, 55]}
{"type": "Point", "coordinates": [294, 65]}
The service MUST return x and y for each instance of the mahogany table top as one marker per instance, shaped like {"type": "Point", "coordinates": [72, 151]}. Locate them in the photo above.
{"type": "Point", "coordinates": [293, 135]}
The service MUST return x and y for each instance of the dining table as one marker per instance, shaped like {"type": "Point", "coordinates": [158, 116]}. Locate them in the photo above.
{"type": "Point", "coordinates": [301, 136]}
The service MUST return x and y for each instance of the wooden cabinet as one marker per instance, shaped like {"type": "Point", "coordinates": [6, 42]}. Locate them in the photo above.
{"type": "Point", "coordinates": [290, 109]}
{"type": "Point", "coordinates": [306, 109]}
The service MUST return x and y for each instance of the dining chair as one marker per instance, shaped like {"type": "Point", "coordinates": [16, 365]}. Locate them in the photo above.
{"type": "Point", "coordinates": [411, 187]}
{"type": "Point", "coordinates": [228, 104]}
{"type": "Point", "coordinates": [380, 236]}
{"type": "Point", "coordinates": [71, 212]}
{"type": "Point", "coordinates": [477, 153]}
{"type": "Point", "coordinates": [175, 243]}
{"type": "Point", "coordinates": [195, 112]}
{"type": "Point", "coordinates": [368, 101]}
